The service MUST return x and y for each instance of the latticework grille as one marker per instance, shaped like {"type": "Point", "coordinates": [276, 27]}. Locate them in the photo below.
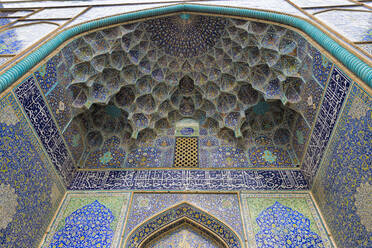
{"type": "Point", "coordinates": [186, 152]}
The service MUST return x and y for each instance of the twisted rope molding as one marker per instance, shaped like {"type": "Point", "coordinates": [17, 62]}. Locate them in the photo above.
{"type": "Point", "coordinates": [353, 63]}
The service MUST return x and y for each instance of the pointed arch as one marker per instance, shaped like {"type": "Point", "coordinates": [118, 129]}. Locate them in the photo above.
{"type": "Point", "coordinates": [187, 222]}
{"type": "Point", "coordinates": [180, 214]}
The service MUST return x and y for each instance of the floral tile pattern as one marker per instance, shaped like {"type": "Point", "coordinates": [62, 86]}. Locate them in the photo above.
{"type": "Point", "coordinates": [180, 211]}
{"type": "Point", "coordinates": [38, 113]}
{"type": "Point", "coordinates": [257, 90]}
{"type": "Point", "coordinates": [287, 220]}
{"type": "Point", "coordinates": [92, 219]}
{"type": "Point", "coordinates": [299, 140]}
{"type": "Point", "coordinates": [342, 187]}
{"type": "Point", "coordinates": [9, 44]}
{"type": "Point", "coordinates": [46, 75]}
{"type": "Point", "coordinates": [110, 156]}
{"type": "Point", "coordinates": [59, 101]}
{"type": "Point", "coordinates": [86, 227]}
{"type": "Point", "coordinates": [222, 206]}
{"type": "Point", "coordinates": [321, 67]}
{"type": "Point", "coordinates": [280, 225]}
{"type": "Point", "coordinates": [269, 157]}
{"type": "Point", "coordinates": [30, 191]}
{"type": "Point", "coordinates": [184, 236]}
{"type": "Point", "coordinates": [72, 135]}
{"type": "Point", "coordinates": [144, 157]}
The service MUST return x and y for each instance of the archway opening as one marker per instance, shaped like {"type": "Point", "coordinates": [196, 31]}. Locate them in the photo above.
{"type": "Point", "coordinates": [184, 234]}
{"type": "Point", "coordinates": [183, 214]}
{"type": "Point", "coordinates": [244, 83]}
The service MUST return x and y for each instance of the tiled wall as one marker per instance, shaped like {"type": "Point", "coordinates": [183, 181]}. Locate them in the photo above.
{"type": "Point", "coordinates": [343, 186]}
{"type": "Point", "coordinates": [37, 105]}
{"type": "Point", "coordinates": [249, 220]}
{"type": "Point", "coordinates": [30, 190]}
{"type": "Point", "coordinates": [97, 212]}
{"type": "Point", "coordinates": [268, 216]}
{"type": "Point", "coordinates": [184, 235]}
{"type": "Point", "coordinates": [36, 109]}
{"type": "Point", "coordinates": [203, 180]}
{"type": "Point", "coordinates": [334, 97]}
{"type": "Point", "coordinates": [35, 164]}
{"type": "Point", "coordinates": [222, 206]}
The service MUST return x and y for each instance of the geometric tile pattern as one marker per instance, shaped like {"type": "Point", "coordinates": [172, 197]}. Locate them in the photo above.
{"type": "Point", "coordinates": [178, 213]}
{"type": "Point", "coordinates": [201, 33]}
{"type": "Point", "coordinates": [298, 73]}
{"type": "Point", "coordinates": [347, 188]}
{"type": "Point", "coordinates": [186, 152]}
{"type": "Point", "coordinates": [337, 89]}
{"type": "Point", "coordinates": [301, 134]}
{"type": "Point", "coordinates": [280, 225]}
{"type": "Point", "coordinates": [36, 109]}
{"type": "Point", "coordinates": [312, 96]}
{"type": "Point", "coordinates": [29, 189]}
{"type": "Point", "coordinates": [342, 186]}
{"type": "Point", "coordinates": [229, 180]}
{"type": "Point", "coordinates": [53, 78]}
{"type": "Point", "coordinates": [58, 101]}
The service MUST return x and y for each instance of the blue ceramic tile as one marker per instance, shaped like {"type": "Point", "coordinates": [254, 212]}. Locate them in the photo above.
{"type": "Point", "coordinates": [333, 100]}
{"type": "Point", "coordinates": [27, 203]}
{"type": "Point", "coordinates": [343, 184]}
{"type": "Point", "coordinates": [190, 180]}
{"type": "Point", "coordinates": [35, 107]}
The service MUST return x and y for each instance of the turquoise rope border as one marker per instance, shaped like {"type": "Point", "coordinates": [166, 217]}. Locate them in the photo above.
{"type": "Point", "coordinates": [353, 63]}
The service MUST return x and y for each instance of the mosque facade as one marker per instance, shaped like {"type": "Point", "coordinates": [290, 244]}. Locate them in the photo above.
{"type": "Point", "coordinates": [178, 124]}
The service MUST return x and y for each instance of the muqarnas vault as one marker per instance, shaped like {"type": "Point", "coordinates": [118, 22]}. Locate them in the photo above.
{"type": "Point", "coordinates": [187, 130]}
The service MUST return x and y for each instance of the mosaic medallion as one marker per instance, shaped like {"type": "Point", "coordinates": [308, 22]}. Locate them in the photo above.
{"type": "Point", "coordinates": [185, 35]}
{"type": "Point", "coordinates": [86, 227]}
{"type": "Point", "coordinates": [283, 227]}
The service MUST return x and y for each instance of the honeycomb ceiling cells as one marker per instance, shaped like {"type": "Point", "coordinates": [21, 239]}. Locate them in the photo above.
{"type": "Point", "coordinates": [185, 35]}
{"type": "Point", "coordinates": [239, 79]}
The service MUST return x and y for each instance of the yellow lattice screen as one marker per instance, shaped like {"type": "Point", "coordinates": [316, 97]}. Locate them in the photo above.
{"type": "Point", "coordinates": [186, 152]}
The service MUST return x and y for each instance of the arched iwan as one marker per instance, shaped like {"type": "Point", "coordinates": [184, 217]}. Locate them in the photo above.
{"type": "Point", "coordinates": [183, 213]}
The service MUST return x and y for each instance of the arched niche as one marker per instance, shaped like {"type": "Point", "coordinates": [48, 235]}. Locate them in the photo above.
{"type": "Point", "coordinates": [180, 225]}
{"type": "Point", "coordinates": [183, 214]}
